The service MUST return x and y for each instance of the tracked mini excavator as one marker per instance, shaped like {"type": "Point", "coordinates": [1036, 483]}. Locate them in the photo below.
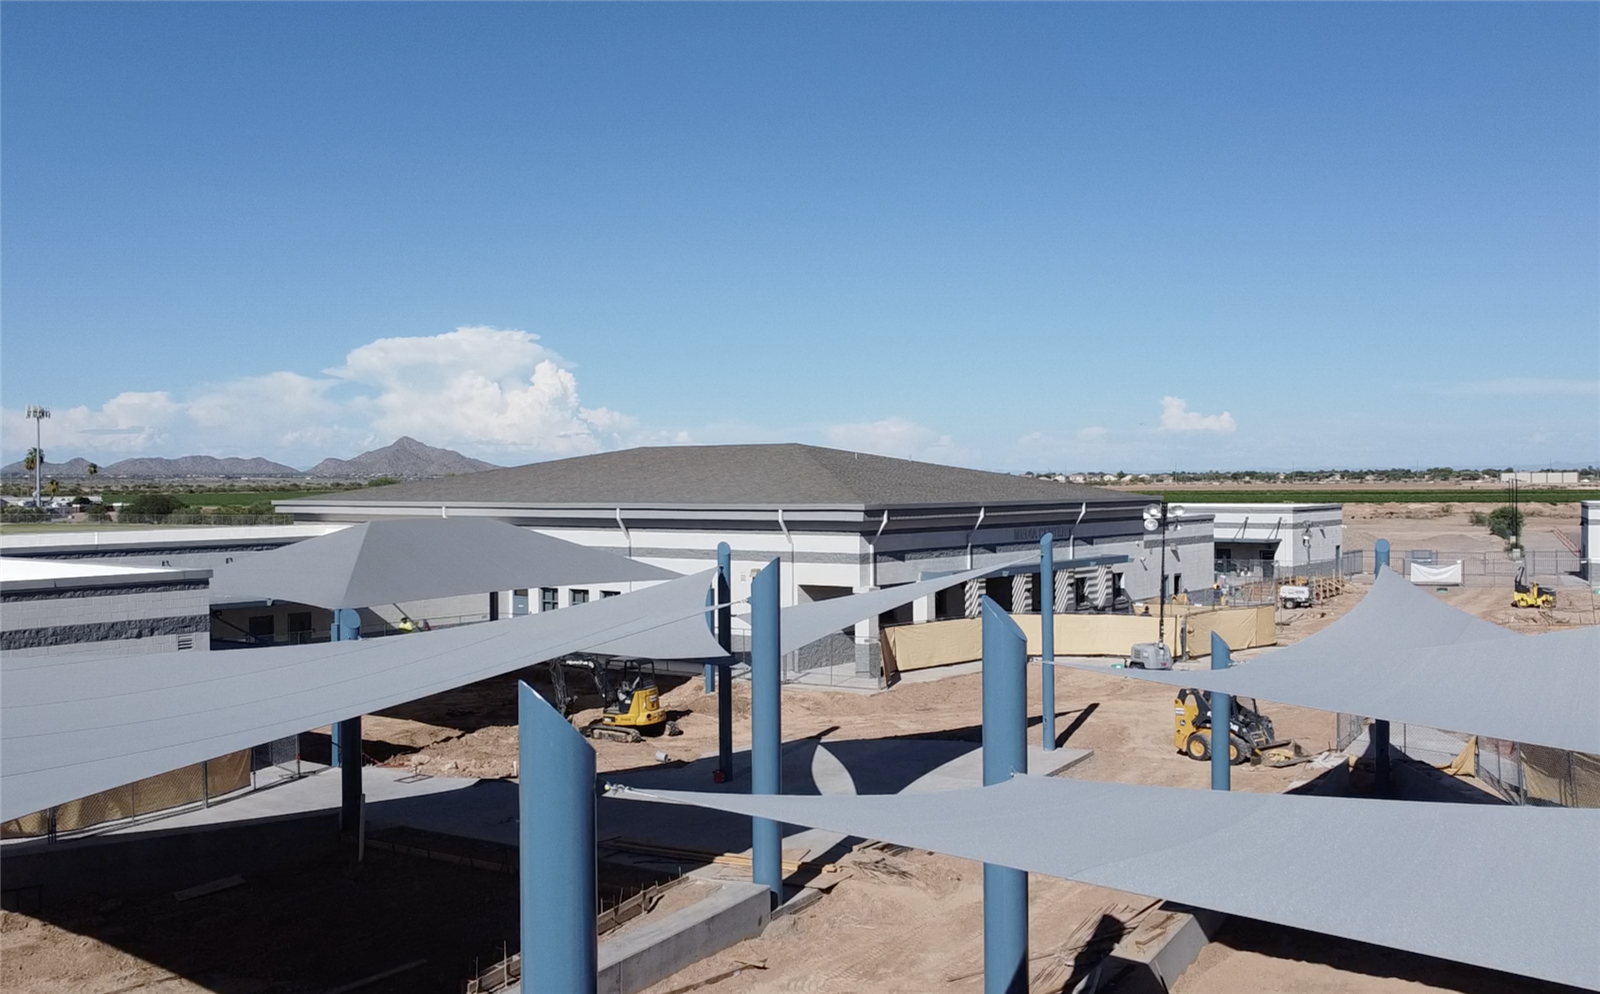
{"type": "Point", "coordinates": [631, 700]}
{"type": "Point", "coordinates": [1251, 738]}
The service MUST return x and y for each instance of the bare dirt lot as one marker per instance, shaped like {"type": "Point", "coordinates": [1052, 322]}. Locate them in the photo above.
{"type": "Point", "coordinates": [902, 921]}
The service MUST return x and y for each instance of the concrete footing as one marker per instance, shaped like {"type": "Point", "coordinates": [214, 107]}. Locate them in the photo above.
{"type": "Point", "coordinates": [1153, 956]}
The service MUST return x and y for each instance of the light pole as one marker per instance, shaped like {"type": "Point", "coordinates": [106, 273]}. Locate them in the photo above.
{"type": "Point", "coordinates": [38, 414]}
{"type": "Point", "coordinates": [1305, 540]}
{"type": "Point", "coordinates": [1157, 516]}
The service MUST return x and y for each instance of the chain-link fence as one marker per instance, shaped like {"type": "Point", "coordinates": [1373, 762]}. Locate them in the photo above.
{"type": "Point", "coordinates": [198, 784]}
{"type": "Point", "coordinates": [1491, 569]}
{"type": "Point", "coordinates": [1255, 583]}
{"type": "Point", "coordinates": [1499, 766]}
{"type": "Point", "coordinates": [836, 660]}
{"type": "Point", "coordinates": [1520, 773]}
{"type": "Point", "coordinates": [1347, 728]}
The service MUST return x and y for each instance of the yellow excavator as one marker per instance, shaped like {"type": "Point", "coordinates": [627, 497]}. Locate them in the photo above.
{"type": "Point", "coordinates": [631, 700]}
{"type": "Point", "coordinates": [1525, 594]}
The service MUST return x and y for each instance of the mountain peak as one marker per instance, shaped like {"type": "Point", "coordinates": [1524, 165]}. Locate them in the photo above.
{"type": "Point", "coordinates": [404, 457]}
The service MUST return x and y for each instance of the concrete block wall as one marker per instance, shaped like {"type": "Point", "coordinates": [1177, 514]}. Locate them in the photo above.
{"type": "Point", "coordinates": [154, 617]}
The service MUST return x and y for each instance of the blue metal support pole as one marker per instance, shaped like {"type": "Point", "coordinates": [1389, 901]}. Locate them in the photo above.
{"type": "Point", "coordinates": [1047, 635]}
{"type": "Point", "coordinates": [1221, 715]}
{"type": "Point", "coordinates": [725, 671]}
{"type": "Point", "coordinates": [766, 731]}
{"type": "Point", "coordinates": [1005, 752]}
{"type": "Point", "coordinates": [1380, 757]}
{"type": "Point", "coordinates": [556, 850]}
{"type": "Point", "coordinates": [1380, 729]}
{"type": "Point", "coordinates": [347, 734]}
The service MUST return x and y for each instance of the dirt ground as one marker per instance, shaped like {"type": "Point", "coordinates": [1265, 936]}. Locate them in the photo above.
{"type": "Point", "coordinates": [901, 921]}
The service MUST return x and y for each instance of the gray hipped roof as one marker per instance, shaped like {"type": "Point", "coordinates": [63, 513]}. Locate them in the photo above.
{"type": "Point", "coordinates": [1403, 655]}
{"type": "Point", "coordinates": [1509, 888]}
{"type": "Point", "coordinates": [72, 726]}
{"type": "Point", "coordinates": [413, 559]}
{"type": "Point", "coordinates": [787, 475]}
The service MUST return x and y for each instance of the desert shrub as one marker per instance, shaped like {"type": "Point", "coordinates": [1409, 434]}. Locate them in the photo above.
{"type": "Point", "coordinates": [1505, 521]}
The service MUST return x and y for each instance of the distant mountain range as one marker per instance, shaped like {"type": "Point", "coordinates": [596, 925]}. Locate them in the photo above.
{"type": "Point", "coordinates": [407, 458]}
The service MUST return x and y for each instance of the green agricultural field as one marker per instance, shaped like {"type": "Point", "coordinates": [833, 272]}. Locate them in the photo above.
{"type": "Point", "coordinates": [224, 498]}
{"type": "Point", "coordinates": [1527, 495]}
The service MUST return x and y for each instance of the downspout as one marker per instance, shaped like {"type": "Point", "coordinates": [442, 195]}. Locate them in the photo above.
{"type": "Point", "coordinates": [627, 537]}
{"type": "Point", "coordinates": [881, 525]}
{"type": "Point", "coordinates": [1072, 534]}
{"type": "Point", "coordinates": [794, 593]}
{"type": "Point", "coordinates": [978, 524]}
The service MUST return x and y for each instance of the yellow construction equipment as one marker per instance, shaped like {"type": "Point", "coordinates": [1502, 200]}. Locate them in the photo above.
{"type": "Point", "coordinates": [1530, 594]}
{"type": "Point", "coordinates": [1251, 738]}
{"type": "Point", "coordinates": [632, 704]}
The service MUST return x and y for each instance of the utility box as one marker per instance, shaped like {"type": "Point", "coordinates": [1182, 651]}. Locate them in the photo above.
{"type": "Point", "coordinates": [1150, 656]}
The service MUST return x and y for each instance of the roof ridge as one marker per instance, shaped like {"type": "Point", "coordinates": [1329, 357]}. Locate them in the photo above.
{"type": "Point", "coordinates": [811, 454]}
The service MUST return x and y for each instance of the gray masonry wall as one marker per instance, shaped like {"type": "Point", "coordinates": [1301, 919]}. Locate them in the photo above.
{"type": "Point", "coordinates": [158, 616]}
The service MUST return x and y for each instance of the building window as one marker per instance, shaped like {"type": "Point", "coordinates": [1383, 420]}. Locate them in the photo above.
{"type": "Point", "coordinates": [261, 628]}
{"type": "Point", "coordinates": [549, 599]}
{"type": "Point", "coordinates": [579, 596]}
{"type": "Point", "coordinates": [610, 593]}
{"type": "Point", "coordinates": [299, 627]}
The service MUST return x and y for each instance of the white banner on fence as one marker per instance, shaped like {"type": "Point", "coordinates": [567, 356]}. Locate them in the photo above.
{"type": "Point", "coordinates": [1446, 573]}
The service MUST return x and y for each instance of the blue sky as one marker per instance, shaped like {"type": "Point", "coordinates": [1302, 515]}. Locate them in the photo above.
{"type": "Point", "coordinates": [1136, 237]}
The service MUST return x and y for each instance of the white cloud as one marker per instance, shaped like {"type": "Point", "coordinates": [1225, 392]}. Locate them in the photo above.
{"type": "Point", "coordinates": [1176, 416]}
{"type": "Point", "coordinates": [486, 387]}
{"type": "Point", "coordinates": [489, 391]}
{"type": "Point", "coordinates": [898, 437]}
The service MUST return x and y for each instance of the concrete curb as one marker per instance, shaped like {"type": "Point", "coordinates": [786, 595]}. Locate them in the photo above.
{"type": "Point", "coordinates": [734, 912]}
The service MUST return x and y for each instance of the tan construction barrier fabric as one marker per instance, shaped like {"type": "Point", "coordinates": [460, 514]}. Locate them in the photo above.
{"type": "Point", "coordinates": [943, 643]}
{"type": "Point", "coordinates": [1556, 776]}
{"type": "Point", "coordinates": [936, 643]}
{"type": "Point", "coordinates": [229, 773]}
{"type": "Point", "coordinates": [186, 785]}
{"type": "Point", "coordinates": [1240, 628]}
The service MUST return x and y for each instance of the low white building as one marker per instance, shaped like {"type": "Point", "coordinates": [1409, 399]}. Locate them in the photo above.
{"type": "Point", "coordinates": [1289, 536]}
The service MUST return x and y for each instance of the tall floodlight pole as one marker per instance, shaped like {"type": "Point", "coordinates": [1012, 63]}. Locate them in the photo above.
{"type": "Point", "coordinates": [38, 414]}
{"type": "Point", "coordinates": [1156, 517]}
{"type": "Point", "coordinates": [766, 732]}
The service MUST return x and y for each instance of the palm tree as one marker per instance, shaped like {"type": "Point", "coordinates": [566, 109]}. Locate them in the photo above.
{"type": "Point", "coordinates": [33, 459]}
{"type": "Point", "coordinates": [55, 487]}
{"type": "Point", "coordinates": [92, 469]}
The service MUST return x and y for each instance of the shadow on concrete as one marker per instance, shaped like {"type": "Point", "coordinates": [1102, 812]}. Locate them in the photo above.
{"type": "Point", "coordinates": [319, 920]}
{"type": "Point", "coordinates": [1285, 943]}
